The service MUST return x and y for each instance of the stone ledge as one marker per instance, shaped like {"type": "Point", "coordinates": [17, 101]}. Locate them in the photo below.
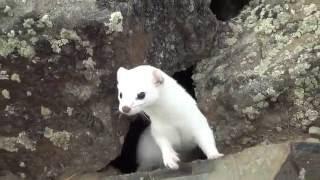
{"type": "Point", "coordinates": [264, 162]}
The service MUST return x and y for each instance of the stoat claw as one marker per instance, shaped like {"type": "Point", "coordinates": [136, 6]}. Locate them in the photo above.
{"type": "Point", "coordinates": [215, 156]}
{"type": "Point", "coordinates": [170, 160]}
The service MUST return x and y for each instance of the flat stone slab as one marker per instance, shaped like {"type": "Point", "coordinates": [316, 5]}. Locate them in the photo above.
{"type": "Point", "coordinates": [314, 131]}
{"type": "Point", "coordinates": [286, 161]}
{"type": "Point", "coordinates": [303, 163]}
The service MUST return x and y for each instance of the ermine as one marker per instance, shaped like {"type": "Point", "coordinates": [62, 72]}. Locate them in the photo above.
{"type": "Point", "coordinates": [176, 125]}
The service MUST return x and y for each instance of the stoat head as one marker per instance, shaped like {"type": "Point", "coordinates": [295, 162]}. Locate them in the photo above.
{"type": "Point", "coordinates": [138, 88]}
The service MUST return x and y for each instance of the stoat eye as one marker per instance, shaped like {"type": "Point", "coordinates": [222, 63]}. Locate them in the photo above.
{"type": "Point", "coordinates": [120, 95]}
{"type": "Point", "coordinates": [141, 95]}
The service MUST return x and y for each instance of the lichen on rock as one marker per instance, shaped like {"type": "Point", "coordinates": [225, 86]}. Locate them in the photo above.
{"type": "Point", "coordinates": [60, 139]}
{"type": "Point", "coordinates": [273, 66]}
{"type": "Point", "coordinates": [8, 144]}
{"type": "Point", "coordinates": [15, 77]}
{"type": "Point", "coordinates": [115, 22]}
{"type": "Point", "coordinates": [5, 93]}
{"type": "Point", "coordinates": [45, 112]}
{"type": "Point", "coordinates": [58, 60]}
{"type": "Point", "coordinates": [11, 144]}
{"type": "Point", "coordinates": [9, 45]}
{"type": "Point", "coordinates": [56, 44]}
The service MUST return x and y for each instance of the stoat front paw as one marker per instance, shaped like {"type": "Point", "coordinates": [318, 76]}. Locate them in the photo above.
{"type": "Point", "coordinates": [171, 159]}
{"type": "Point", "coordinates": [215, 155]}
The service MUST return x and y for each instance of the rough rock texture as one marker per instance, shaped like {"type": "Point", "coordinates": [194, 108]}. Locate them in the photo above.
{"type": "Point", "coordinates": [264, 78]}
{"type": "Point", "coordinates": [285, 161]}
{"type": "Point", "coordinates": [58, 58]}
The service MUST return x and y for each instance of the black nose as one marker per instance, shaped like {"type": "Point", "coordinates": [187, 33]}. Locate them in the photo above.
{"type": "Point", "coordinates": [126, 109]}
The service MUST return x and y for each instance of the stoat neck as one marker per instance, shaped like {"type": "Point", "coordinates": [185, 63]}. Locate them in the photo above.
{"type": "Point", "coordinates": [173, 102]}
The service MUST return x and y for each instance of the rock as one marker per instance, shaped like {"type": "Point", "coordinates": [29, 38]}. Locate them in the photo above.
{"type": "Point", "coordinates": [58, 62]}
{"type": "Point", "coordinates": [7, 175]}
{"type": "Point", "coordinates": [264, 72]}
{"type": "Point", "coordinates": [313, 130]}
{"type": "Point", "coordinates": [313, 140]}
{"type": "Point", "coordinates": [276, 161]}
{"type": "Point", "coordinates": [302, 163]}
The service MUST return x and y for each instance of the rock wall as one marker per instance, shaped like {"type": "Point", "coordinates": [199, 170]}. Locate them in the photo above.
{"type": "Point", "coordinates": [57, 75]}
{"type": "Point", "coordinates": [262, 83]}
{"type": "Point", "coordinates": [58, 59]}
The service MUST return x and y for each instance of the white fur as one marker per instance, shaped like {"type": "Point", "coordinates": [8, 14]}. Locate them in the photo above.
{"type": "Point", "coordinates": [176, 121]}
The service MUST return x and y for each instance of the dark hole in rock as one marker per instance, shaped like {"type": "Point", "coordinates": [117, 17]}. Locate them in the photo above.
{"type": "Point", "coordinates": [126, 161]}
{"type": "Point", "coordinates": [184, 78]}
{"type": "Point", "coordinates": [227, 9]}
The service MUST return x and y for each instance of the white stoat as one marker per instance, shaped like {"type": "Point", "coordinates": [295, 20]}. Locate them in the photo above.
{"type": "Point", "coordinates": [176, 122]}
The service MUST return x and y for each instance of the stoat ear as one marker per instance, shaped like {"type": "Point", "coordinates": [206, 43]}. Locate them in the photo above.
{"type": "Point", "coordinates": [120, 73]}
{"type": "Point", "coordinates": [158, 78]}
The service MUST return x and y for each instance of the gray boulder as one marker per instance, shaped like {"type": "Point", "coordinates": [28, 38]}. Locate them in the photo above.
{"type": "Point", "coordinates": [262, 83]}
{"type": "Point", "coordinates": [58, 61]}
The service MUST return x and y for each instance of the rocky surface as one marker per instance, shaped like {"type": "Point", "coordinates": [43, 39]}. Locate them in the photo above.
{"type": "Point", "coordinates": [314, 131]}
{"type": "Point", "coordinates": [262, 84]}
{"type": "Point", "coordinates": [285, 161]}
{"type": "Point", "coordinates": [58, 58]}
{"type": "Point", "coordinates": [57, 81]}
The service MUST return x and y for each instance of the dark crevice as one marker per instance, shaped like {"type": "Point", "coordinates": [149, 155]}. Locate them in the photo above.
{"type": "Point", "coordinates": [184, 78]}
{"type": "Point", "coordinates": [227, 9]}
{"type": "Point", "coordinates": [126, 161]}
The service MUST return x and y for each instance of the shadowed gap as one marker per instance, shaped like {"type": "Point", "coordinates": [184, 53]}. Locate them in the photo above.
{"type": "Point", "coordinates": [227, 9]}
